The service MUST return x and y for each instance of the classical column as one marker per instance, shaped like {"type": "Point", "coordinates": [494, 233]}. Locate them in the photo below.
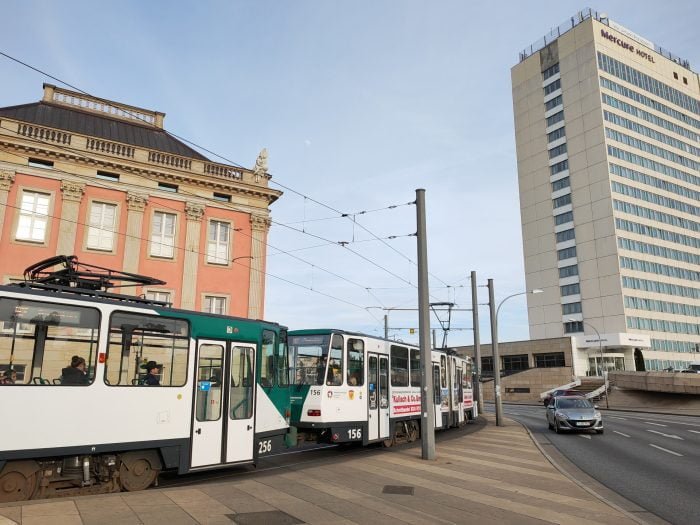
{"type": "Point", "coordinates": [194, 214]}
{"type": "Point", "coordinates": [70, 210]}
{"type": "Point", "coordinates": [260, 225]}
{"type": "Point", "coordinates": [6, 180]}
{"type": "Point", "coordinates": [135, 205]}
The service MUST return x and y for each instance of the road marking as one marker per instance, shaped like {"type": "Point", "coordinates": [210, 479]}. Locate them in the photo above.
{"type": "Point", "coordinates": [584, 436]}
{"type": "Point", "coordinates": [694, 431]}
{"type": "Point", "coordinates": [616, 417]}
{"type": "Point", "coordinates": [655, 424]}
{"type": "Point", "coordinates": [666, 450]}
{"type": "Point", "coordinates": [672, 436]}
{"type": "Point", "coordinates": [616, 432]}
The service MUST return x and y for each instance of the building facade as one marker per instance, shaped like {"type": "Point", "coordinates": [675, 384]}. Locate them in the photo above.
{"type": "Point", "coordinates": [104, 181]}
{"type": "Point", "coordinates": [607, 130]}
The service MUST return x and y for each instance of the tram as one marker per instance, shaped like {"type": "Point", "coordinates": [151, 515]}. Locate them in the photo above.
{"type": "Point", "coordinates": [351, 387]}
{"type": "Point", "coordinates": [222, 395]}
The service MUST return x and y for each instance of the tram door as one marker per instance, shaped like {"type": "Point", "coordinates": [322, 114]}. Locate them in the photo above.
{"type": "Point", "coordinates": [378, 397]}
{"type": "Point", "coordinates": [222, 423]}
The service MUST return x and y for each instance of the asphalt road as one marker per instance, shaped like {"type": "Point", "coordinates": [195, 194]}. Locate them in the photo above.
{"type": "Point", "coordinates": [652, 460]}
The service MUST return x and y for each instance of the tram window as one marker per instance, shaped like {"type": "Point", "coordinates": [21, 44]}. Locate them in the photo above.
{"type": "Point", "coordinates": [335, 362]}
{"type": "Point", "coordinates": [308, 354]}
{"type": "Point", "coordinates": [208, 402]}
{"type": "Point", "coordinates": [399, 366]}
{"type": "Point", "coordinates": [267, 366]}
{"type": "Point", "coordinates": [437, 393]}
{"type": "Point", "coordinates": [39, 339]}
{"type": "Point", "coordinates": [136, 338]}
{"type": "Point", "coordinates": [242, 384]}
{"type": "Point", "coordinates": [443, 372]}
{"type": "Point", "coordinates": [356, 362]}
{"type": "Point", "coordinates": [415, 367]}
{"type": "Point", "coordinates": [282, 360]}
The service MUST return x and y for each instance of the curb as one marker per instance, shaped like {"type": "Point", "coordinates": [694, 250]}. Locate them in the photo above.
{"type": "Point", "coordinates": [592, 492]}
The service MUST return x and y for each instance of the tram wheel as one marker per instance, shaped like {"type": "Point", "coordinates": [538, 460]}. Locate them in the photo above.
{"type": "Point", "coordinates": [139, 477]}
{"type": "Point", "coordinates": [412, 432]}
{"type": "Point", "coordinates": [16, 486]}
{"type": "Point", "coordinates": [388, 442]}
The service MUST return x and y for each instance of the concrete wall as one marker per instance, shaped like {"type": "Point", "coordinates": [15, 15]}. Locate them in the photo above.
{"type": "Point", "coordinates": [677, 383]}
{"type": "Point", "coordinates": [538, 380]}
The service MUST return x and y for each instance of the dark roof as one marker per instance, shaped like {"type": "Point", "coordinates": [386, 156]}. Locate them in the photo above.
{"type": "Point", "coordinates": [67, 119]}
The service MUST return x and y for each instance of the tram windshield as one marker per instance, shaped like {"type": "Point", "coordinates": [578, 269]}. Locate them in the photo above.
{"type": "Point", "coordinates": [308, 355]}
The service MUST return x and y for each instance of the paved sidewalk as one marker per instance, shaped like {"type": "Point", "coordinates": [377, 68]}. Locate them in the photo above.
{"type": "Point", "coordinates": [494, 476]}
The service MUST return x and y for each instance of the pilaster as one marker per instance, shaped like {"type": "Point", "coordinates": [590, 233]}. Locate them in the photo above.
{"type": "Point", "coordinates": [193, 214]}
{"type": "Point", "coordinates": [260, 225]}
{"type": "Point", "coordinates": [7, 178]}
{"type": "Point", "coordinates": [71, 195]}
{"type": "Point", "coordinates": [135, 205]}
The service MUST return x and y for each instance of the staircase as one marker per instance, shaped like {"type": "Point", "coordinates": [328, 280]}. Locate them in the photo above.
{"type": "Point", "coordinates": [589, 386]}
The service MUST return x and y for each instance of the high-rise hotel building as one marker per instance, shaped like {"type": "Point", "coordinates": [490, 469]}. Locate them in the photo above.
{"type": "Point", "coordinates": [607, 129]}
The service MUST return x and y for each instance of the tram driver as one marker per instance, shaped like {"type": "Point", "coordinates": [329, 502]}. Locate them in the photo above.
{"type": "Point", "coordinates": [153, 371]}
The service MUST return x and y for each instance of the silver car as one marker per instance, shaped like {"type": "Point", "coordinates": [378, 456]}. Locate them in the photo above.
{"type": "Point", "coordinates": [573, 413]}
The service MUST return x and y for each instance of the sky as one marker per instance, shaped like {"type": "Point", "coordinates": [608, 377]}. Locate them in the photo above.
{"type": "Point", "coordinates": [359, 103]}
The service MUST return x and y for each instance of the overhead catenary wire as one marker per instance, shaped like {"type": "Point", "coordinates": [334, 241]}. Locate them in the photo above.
{"type": "Point", "coordinates": [218, 156]}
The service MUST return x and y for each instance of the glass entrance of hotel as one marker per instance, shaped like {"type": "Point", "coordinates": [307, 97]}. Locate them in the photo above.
{"type": "Point", "coordinates": [608, 362]}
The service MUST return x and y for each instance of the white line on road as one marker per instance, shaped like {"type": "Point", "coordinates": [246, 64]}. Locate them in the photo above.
{"type": "Point", "coordinates": [655, 424]}
{"type": "Point", "coordinates": [584, 436]}
{"type": "Point", "coordinates": [666, 450]}
{"type": "Point", "coordinates": [672, 436]}
{"type": "Point", "coordinates": [694, 431]}
{"type": "Point", "coordinates": [616, 432]}
{"type": "Point", "coordinates": [616, 417]}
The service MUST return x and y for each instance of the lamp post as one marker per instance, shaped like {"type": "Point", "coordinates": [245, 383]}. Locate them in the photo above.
{"type": "Point", "coordinates": [494, 346]}
{"type": "Point", "coordinates": [600, 344]}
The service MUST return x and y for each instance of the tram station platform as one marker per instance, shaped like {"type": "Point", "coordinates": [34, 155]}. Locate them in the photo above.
{"type": "Point", "coordinates": [485, 475]}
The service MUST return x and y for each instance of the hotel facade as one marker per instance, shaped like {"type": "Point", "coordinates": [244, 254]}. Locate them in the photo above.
{"type": "Point", "coordinates": [104, 181]}
{"type": "Point", "coordinates": [607, 128]}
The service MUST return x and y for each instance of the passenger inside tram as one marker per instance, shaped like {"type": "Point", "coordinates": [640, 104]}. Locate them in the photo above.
{"type": "Point", "coordinates": [76, 373]}
{"type": "Point", "coordinates": [153, 370]}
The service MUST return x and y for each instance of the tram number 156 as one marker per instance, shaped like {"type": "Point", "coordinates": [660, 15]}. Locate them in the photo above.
{"type": "Point", "coordinates": [355, 433]}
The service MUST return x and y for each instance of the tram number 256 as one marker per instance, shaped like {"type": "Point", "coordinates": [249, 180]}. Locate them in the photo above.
{"type": "Point", "coordinates": [265, 446]}
{"type": "Point", "coordinates": [355, 433]}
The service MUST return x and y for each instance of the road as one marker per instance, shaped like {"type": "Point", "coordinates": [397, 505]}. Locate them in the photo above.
{"type": "Point", "coordinates": [652, 460]}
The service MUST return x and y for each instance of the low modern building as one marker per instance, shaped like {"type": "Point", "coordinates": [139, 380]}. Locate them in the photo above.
{"type": "Point", "coordinates": [104, 181]}
{"type": "Point", "coordinates": [607, 128]}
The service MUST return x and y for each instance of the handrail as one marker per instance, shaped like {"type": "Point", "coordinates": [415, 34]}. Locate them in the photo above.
{"type": "Point", "coordinates": [573, 384]}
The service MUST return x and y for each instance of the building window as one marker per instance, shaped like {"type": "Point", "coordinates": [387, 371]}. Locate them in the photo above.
{"type": "Point", "coordinates": [214, 304]}
{"type": "Point", "coordinates": [549, 360]}
{"type": "Point", "coordinates": [106, 175]}
{"type": "Point", "coordinates": [561, 184]}
{"type": "Point", "coordinates": [562, 201]}
{"type": "Point", "coordinates": [556, 134]}
{"type": "Point", "coordinates": [559, 150]}
{"type": "Point", "coordinates": [163, 235]}
{"type": "Point", "coordinates": [566, 235]}
{"type": "Point", "coordinates": [487, 365]}
{"type": "Point", "coordinates": [559, 167]}
{"type": "Point", "coordinates": [167, 187]}
{"type": "Point", "coordinates": [566, 253]}
{"type": "Point", "coordinates": [515, 362]}
{"type": "Point", "coordinates": [551, 104]}
{"type": "Point", "coordinates": [564, 218]}
{"type": "Point", "coordinates": [573, 326]}
{"type": "Point", "coordinates": [571, 308]}
{"type": "Point", "coordinates": [557, 117]}
{"type": "Point", "coordinates": [158, 296]}
{"type": "Point", "coordinates": [40, 163]}
{"type": "Point", "coordinates": [550, 71]}
{"type": "Point", "coordinates": [551, 88]}
{"type": "Point", "coordinates": [103, 220]}
{"type": "Point", "coordinates": [222, 197]}
{"type": "Point", "coordinates": [570, 289]}
{"type": "Point", "coordinates": [568, 271]}
{"type": "Point", "coordinates": [218, 242]}
{"type": "Point", "coordinates": [33, 216]}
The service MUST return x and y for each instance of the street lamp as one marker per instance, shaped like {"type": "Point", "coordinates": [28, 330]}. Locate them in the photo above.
{"type": "Point", "coordinates": [600, 343]}
{"type": "Point", "coordinates": [494, 346]}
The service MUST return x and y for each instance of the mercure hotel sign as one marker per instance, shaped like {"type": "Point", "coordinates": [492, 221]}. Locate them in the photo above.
{"type": "Point", "coordinates": [626, 45]}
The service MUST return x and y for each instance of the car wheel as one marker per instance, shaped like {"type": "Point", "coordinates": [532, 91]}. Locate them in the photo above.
{"type": "Point", "coordinates": [556, 427]}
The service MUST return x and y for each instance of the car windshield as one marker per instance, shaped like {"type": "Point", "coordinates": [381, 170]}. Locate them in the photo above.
{"type": "Point", "coordinates": [573, 403]}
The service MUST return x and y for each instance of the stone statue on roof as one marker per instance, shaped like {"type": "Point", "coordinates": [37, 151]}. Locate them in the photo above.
{"type": "Point", "coordinates": [260, 169]}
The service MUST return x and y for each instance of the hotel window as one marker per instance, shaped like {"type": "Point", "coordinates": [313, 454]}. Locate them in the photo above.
{"type": "Point", "coordinates": [566, 235]}
{"type": "Point", "coordinates": [163, 235]}
{"type": "Point", "coordinates": [551, 88]}
{"type": "Point", "coordinates": [550, 71]}
{"type": "Point", "coordinates": [570, 289]}
{"type": "Point", "coordinates": [556, 134]}
{"type": "Point", "coordinates": [214, 304]}
{"type": "Point", "coordinates": [551, 104]}
{"type": "Point", "coordinates": [568, 271]}
{"type": "Point", "coordinates": [564, 218]}
{"type": "Point", "coordinates": [560, 184]}
{"type": "Point", "coordinates": [559, 150]}
{"type": "Point", "coordinates": [218, 242]}
{"type": "Point", "coordinates": [103, 219]}
{"type": "Point", "coordinates": [33, 216]}
{"type": "Point", "coordinates": [557, 117]}
{"type": "Point", "coordinates": [158, 296]}
{"type": "Point", "coordinates": [562, 201]}
{"type": "Point", "coordinates": [567, 253]}
{"type": "Point", "coordinates": [573, 326]}
{"type": "Point", "coordinates": [559, 167]}
{"type": "Point", "coordinates": [571, 308]}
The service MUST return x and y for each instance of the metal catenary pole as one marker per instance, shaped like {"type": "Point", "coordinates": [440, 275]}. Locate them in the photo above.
{"type": "Point", "coordinates": [496, 359]}
{"type": "Point", "coordinates": [477, 345]}
{"type": "Point", "coordinates": [426, 398]}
